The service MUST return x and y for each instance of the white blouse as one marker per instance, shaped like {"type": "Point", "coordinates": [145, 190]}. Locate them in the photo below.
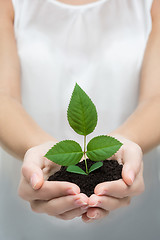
{"type": "Point", "coordinates": [100, 46]}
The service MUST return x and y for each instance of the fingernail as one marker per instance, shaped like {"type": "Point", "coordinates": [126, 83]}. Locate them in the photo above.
{"type": "Point", "coordinates": [102, 193]}
{"type": "Point", "coordinates": [131, 176]}
{"type": "Point", "coordinates": [94, 201]}
{"type": "Point", "coordinates": [34, 180]}
{"type": "Point", "coordinates": [94, 204]}
{"type": "Point", "coordinates": [84, 207]}
{"type": "Point", "coordinates": [80, 202]}
{"type": "Point", "coordinates": [71, 191]}
{"type": "Point", "coordinates": [94, 216]}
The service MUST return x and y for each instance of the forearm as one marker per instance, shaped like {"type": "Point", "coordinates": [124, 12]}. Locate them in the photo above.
{"type": "Point", "coordinates": [143, 126]}
{"type": "Point", "coordinates": [18, 131]}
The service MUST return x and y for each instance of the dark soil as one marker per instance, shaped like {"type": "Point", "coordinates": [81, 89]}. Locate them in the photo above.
{"type": "Point", "coordinates": [110, 171]}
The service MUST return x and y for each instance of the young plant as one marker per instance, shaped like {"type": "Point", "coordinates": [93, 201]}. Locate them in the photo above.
{"type": "Point", "coordinates": [82, 117]}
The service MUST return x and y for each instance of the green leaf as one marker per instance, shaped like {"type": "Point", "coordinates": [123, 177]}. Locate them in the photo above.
{"type": "Point", "coordinates": [75, 169]}
{"type": "Point", "coordinates": [102, 147]}
{"type": "Point", "coordinates": [65, 153]}
{"type": "Point", "coordinates": [95, 166]}
{"type": "Point", "coordinates": [82, 114]}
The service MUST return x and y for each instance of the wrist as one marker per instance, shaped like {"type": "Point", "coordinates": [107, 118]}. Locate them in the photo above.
{"type": "Point", "coordinates": [36, 140]}
{"type": "Point", "coordinates": [125, 133]}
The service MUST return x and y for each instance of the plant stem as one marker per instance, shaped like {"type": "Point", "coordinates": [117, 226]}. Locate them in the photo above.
{"type": "Point", "coordinates": [85, 155]}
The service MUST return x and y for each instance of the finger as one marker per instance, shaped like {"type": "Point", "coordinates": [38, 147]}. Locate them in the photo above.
{"type": "Point", "coordinates": [108, 203]}
{"type": "Point", "coordinates": [119, 189]}
{"type": "Point", "coordinates": [94, 214]}
{"type": "Point", "coordinates": [132, 159]}
{"type": "Point", "coordinates": [73, 213]}
{"type": "Point", "coordinates": [60, 205]}
{"type": "Point", "coordinates": [36, 167]}
{"type": "Point", "coordinates": [86, 219]}
{"type": "Point", "coordinates": [34, 175]}
{"type": "Point", "coordinates": [32, 169]}
{"type": "Point", "coordinates": [48, 191]}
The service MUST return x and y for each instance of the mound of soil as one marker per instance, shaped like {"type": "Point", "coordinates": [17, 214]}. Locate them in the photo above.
{"type": "Point", "coordinates": [110, 171]}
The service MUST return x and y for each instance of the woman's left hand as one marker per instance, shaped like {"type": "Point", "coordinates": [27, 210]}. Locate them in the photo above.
{"type": "Point", "coordinates": [109, 196]}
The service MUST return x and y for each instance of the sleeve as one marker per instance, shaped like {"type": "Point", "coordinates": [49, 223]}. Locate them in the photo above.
{"type": "Point", "coordinates": [148, 5]}
{"type": "Point", "coordinates": [17, 7]}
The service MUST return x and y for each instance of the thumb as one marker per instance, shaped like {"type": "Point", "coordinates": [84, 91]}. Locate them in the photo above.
{"type": "Point", "coordinates": [33, 175]}
{"type": "Point", "coordinates": [132, 159]}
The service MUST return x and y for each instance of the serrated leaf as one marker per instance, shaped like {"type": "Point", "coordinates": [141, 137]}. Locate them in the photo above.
{"type": "Point", "coordinates": [82, 114]}
{"type": "Point", "coordinates": [65, 153]}
{"type": "Point", "coordinates": [102, 147]}
{"type": "Point", "coordinates": [75, 169]}
{"type": "Point", "coordinates": [95, 166]}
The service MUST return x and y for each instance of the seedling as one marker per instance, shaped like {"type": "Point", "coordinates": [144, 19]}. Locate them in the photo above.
{"type": "Point", "coordinates": [82, 117]}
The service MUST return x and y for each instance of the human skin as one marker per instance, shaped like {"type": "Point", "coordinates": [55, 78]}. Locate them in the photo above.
{"type": "Point", "coordinates": [77, 2]}
{"type": "Point", "coordinates": [140, 133]}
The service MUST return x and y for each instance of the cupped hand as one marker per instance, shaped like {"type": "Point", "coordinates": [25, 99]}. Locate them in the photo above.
{"type": "Point", "coordinates": [109, 196]}
{"type": "Point", "coordinates": [60, 199]}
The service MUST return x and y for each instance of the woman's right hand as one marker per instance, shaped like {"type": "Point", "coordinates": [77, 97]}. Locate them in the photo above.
{"type": "Point", "coordinates": [60, 199]}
